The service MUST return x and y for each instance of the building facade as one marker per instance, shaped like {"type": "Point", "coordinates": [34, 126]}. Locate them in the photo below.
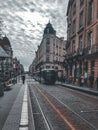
{"type": "Point", "coordinates": [51, 51]}
{"type": "Point", "coordinates": [82, 39]}
{"type": "Point", "coordinates": [9, 67]}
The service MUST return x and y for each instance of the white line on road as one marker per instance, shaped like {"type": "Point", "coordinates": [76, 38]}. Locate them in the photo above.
{"type": "Point", "coordinates": [24, 114]}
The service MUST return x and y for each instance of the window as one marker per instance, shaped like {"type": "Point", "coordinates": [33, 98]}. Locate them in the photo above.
{"type": "Point", "coordinates": [47, 49]}
{"type": "Point", "coordinates": [74, 8]}
{"type": "Point", "coordinates": [56, 46]}
{"type": "Point", "coordinates": [74, 26]}
{"type": "Point", "coordinates": [73, 46]}
{"type": "Point", "coordinates": [90, 12]}
{"type": "Point", "coordinates": [56, 67]}
{"type": "Point", "coordinates": [81, 19]}
{"type": "Point", "coordinates": [86, 66]}
{"type": "Point", "coordinates": [56, 58]}
{"type": "Point", "coordinates": [47, 30]}
{"type": "Point", "coordinates": [47, 45]}
{"type": "Point", "coordinates": [92, 67]}
{"type": "Point", "coordinates": [80, 42]}
{"type": "Point", "coordinates": [90, 40]}
{"type": "Point", "coordinates": [47, 67]}
{"type": "Point", "coordinates": [81, 2]}
{"type": "Point", "coordinates": [47, 58]}
{"type": "Point", "coordinates": [48, 41]}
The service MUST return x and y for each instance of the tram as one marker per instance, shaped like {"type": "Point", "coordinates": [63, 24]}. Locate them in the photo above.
{"type": "Point", "coordinates": [47, 76]}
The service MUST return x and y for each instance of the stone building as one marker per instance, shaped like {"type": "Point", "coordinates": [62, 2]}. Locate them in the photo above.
{"type": "Point", "coordinates": [7, 63]}
{"type": "Point", "coordinates": [50, 52]}
{"type": "Point", "coordinates": [82, 38]}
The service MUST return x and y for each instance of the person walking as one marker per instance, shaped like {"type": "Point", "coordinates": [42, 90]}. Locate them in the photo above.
{"type": "Point", "coordinates": [85, 78]}
{"type": "Point", "coordinates": [97, 83]}
{"type": "Point", "coordinates": [91, 80]}
{"type": "Point", "coordinates": [23, 79]}
{"type": "Point", "coordinates": [82, 80]}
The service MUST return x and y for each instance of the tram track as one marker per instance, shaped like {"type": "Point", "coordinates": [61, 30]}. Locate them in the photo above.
{"type": "Point", "coordinates": [70, 119]}
{"type": "Point", "coordinates": [66, 120]}
{"type": "Point", "coordinates": [38, 114]}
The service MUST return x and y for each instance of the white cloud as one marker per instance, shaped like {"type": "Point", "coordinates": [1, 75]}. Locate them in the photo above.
{"type": "Point", "coordinates": [25, 21]}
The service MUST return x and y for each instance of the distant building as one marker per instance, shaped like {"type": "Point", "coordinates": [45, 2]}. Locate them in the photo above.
{"type": "Point", "coordinates": [7, 63]}
{"type": "Point", "coordinates": [18, 68]}
{"type": "Point", "coordinates": [82, 38]}
{"type": "Point", "coordinates": [50, 52]}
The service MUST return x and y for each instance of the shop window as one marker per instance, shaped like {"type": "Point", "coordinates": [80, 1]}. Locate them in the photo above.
{"type": "Point", "coordinates": [92, 67]}
{"type": "Point", "coordinates": [86, 66]}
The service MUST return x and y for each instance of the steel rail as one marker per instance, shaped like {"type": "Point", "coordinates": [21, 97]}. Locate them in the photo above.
{"type": "Point", "coordinates": [91, 125]}
{"type": "Point", "coordinates": [32, 119]}
{"type": "Point", "coordinates": [45, 119]}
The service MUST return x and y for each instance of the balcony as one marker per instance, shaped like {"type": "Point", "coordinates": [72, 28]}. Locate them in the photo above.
{"type": "Point", "coordinates": [80, 51]}
{"type": "Point", "coordinates": [92, 50]}
{"type": "Point", "coordinates": [71, 55]}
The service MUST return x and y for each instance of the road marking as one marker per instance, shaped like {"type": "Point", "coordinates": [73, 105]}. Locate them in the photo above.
{"type": "Point", "coordinates": [89, 111]}
{"type": "Point", "coordinates": [24, 115]}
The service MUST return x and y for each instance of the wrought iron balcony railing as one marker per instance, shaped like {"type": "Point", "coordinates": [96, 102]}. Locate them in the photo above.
{"type": "Point", "coordinates": [91, 50]}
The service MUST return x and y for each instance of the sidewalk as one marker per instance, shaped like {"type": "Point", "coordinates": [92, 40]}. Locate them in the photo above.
{"type": "Point", "coordinates": [20, 116]}
{"type": "Point", "coordinates": [79, 88]}
{"type": "Point", "coordinates": [13, 119]}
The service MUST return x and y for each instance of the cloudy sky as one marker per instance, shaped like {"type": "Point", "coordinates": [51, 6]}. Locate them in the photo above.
{"type": "Point", "coordinates": [25, 20]}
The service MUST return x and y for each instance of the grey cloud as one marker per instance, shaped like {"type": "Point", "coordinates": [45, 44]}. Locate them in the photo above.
{"type": "Point", "coordinates": [25, 30]}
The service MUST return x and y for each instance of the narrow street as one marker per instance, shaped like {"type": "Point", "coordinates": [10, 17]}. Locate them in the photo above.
{"type": "Point", "coordinates": [61, 108]}
{"type": "Point", "coordinates": [52, 107]}
{"type": "Point", "coordinates": [34, 106]}
{"type": "Point", "coordinates": [49, 65]}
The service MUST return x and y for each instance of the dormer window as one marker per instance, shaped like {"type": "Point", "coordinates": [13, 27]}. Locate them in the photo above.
{"type": "Point", "coordinates": [48, 30]}
{"type": "Point", "coordinates": [48, 41]}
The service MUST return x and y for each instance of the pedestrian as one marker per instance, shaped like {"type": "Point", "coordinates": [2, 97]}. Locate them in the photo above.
{"type": "Point", "coordinates": [85, 78]}
{"type": "Point", "coordinates": [82, 80]}
{"type": "Point", "coordinates": [91, 80]}
{"type": "Point", "coordinates": [97, 83]}
{"type": "Point", "coordinates": [23, 79]}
